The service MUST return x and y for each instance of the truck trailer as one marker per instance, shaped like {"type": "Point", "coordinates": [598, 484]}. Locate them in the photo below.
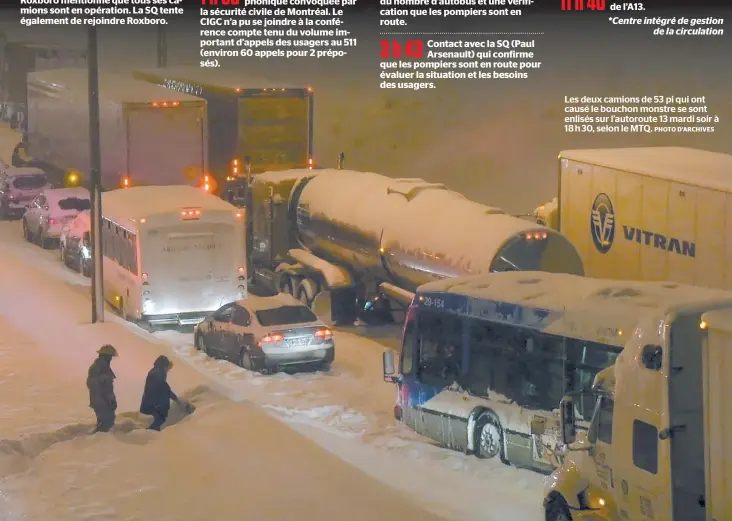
{"type": "Point", "coordinates": [647, 213]}
{"type": "Point", "coordinates": [255, 125]}
{"type": "Point", "coordinates": [149, 135]}
{"type": "Point", "coordinates": [367, 241]}
{"type": "Point", "coordinates": [17, 59]}
{"type": "Point", "coordinates": [656, 446]}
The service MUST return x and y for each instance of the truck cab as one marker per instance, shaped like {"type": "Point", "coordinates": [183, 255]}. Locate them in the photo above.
{"type": "Point", "coordinates": [646, 454]}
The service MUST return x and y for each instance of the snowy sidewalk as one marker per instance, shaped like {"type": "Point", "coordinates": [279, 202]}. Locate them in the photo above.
{"type": "Point", "coordinates": [228, 461]}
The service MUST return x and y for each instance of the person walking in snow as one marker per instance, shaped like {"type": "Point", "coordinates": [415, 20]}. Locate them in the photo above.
{"type": "Point", "coordinates": [100, 383]}
{"type": "Point", "coordinates": [157, 394]}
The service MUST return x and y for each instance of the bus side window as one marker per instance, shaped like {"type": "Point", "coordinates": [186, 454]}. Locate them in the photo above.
{"type": "Point", "coordinates": [132, 249]}
{"type": "Point", "coordinates": [106, 239]}
{"type": "Point", "coordinates": [440, 352]}
{"type": "Point", "coordinates": [407, 362]}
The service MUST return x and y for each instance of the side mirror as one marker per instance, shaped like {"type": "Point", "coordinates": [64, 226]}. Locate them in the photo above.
{"type": "Point", "coordinates": [568, 429]}
{"type": "Point", "coordinates": [389, 367]}
{"type": "Point", "coordinates": [652, 357]}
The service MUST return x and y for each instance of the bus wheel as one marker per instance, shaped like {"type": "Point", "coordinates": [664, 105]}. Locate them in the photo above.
{"type": "Point", "coordinates": [489, 437]}
{"type": "Point", "coordinates": [307, 291]}
{"type": "Point", "coordinates": [557, 509]}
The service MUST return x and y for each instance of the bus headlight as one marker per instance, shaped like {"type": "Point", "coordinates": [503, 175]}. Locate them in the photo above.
{"type": "Point", "coordinates": [85, 252]}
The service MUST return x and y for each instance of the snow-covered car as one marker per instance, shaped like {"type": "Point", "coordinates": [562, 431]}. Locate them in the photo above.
{"type": "Point", "coordinates": [53, 209]}
{"type": "Point", "coordinates": [18, 188]}
{"type": "Point", "coordinates": [75, 244]}
{"type": "Point", "coordinates": [267, 334]}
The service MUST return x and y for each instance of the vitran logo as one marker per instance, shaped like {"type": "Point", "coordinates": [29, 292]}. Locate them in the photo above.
{"type": "Point", "coordinates": [603, 226]}
{"type": "Point", "coordinates": [602, 223]}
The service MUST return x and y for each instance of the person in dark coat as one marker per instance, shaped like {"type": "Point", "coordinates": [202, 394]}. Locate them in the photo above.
{"type": "Point", "coordinates": [157, 394]}
{"type": "Point", "coordinates": [100, 383]}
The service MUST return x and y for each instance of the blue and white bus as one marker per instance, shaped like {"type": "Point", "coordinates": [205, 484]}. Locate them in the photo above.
{"type": "Point", "coordinates": [486, 360]}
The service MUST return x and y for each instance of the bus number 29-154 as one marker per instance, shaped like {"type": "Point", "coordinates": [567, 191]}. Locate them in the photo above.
{"type": "Point", "coordinates": [434, 302]}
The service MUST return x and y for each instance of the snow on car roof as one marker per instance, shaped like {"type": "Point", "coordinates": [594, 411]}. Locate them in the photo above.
{"type": "Point", "coordinates": [215, 77]}
{"type": "Point", "coordinates": [691, 166]}
{"type": "Point", "coordinates": [56, 194]}
{"type": "Point", "coordinates": [143, 201]}
{"type": "Point", "coordinates": [255, 303]}
{"type": "Point", "coordinates": [583, 307]}
{"type": "Point", "coordinates": [116, 87]}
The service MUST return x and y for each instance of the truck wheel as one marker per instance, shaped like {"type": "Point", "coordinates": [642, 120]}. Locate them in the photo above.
{"type": "Point", "coordinates": [489, 438]}
{"type": "Point", "coordinates": [557, 509]}
{"type": "Point", "coordinates": [307, 291]}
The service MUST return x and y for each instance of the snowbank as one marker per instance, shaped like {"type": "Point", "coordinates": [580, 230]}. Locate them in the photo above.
{"type": "Point", "coordinates": [227, 461]}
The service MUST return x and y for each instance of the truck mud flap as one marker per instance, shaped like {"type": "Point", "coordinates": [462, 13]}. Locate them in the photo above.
{"type": "Point", "coordinates": [344, 305]}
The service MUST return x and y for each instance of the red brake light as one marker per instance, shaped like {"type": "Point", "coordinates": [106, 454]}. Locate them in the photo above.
{"type": "Point", "coordinates": [190, 214]}
{"type": "Point", "coordinates": [126, 182]}
{"type": "Point", "coordinates": [52, 221]}
{"type": "Point", "coordinates": [272, 338]}
{"type": "Point", "coordinates": [324, 333]}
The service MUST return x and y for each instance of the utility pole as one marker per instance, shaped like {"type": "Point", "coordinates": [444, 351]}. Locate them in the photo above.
{"type": "Point", "coordinates": [96, 179]}
{"type": "Point", "coordinates": [162, 47]}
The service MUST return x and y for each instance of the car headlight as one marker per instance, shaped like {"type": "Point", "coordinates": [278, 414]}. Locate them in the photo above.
{"type": "Point", "coordinates": [85, 252]}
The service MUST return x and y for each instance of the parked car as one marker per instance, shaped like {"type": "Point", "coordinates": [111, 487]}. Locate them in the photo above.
{"type": "Point", "coordinates": [75, 244]}
{"type": "Point", "coordinates": [53, 209]}
{"type": "Point", "coordinates": [18, 188]}
{"type": "Point", "coordinates": [266, 334]}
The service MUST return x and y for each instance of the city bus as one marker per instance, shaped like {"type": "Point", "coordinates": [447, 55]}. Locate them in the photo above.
{"type": "Point", "coordinates": [171, 254]}
{"type": "Point", "coordinates": [486, 360]}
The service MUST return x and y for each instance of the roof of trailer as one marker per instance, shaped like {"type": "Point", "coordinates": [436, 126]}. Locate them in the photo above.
{"type": "Point", "coordinates": [143, 201]}
{"type": "Point", "coordinates": [112, 86]}
{"type": "Point", "coordinates": [217, 77]}
{"type": "Point", "coordinates": [690, 166]}
{"type": "Point", "coordinates": [573, 305]}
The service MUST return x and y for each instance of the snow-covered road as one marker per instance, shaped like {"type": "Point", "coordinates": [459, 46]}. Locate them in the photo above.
{"type": "Point", "coordinates": [45, 351]}
{"type": "Point", "coordinates": [48, 344]}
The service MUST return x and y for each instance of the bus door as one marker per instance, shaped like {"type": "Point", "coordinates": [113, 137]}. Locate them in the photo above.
{"type": "Point", "coordinates": [408, 388]}
{"type": "Point", "coordinates": [445, 410]}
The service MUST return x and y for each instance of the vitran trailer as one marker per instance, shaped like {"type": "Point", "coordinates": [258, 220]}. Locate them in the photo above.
{"type": "Point", "coordinates": [268, 122]}
{"type": "Point", "coordinates": [647, 213]}
{"type": "Point", "coordinates": [149, 135]}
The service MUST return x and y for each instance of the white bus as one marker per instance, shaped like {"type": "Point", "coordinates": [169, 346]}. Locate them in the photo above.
{"type": "Point", "coordinates": [486, 360]}
{"type": "Point", "coordinates": [171, 254]}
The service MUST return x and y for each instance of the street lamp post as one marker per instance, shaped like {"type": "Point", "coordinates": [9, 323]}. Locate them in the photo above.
{"type": "Point", "coordinates": [96, 181]}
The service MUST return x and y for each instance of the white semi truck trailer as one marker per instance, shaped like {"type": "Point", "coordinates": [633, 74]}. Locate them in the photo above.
{"type": "Point", "coordinates": [150, 135]}
{"type": "Point", "coordinates": [656, 448]}
{"type": "Point", "coordinates": [647, 213]}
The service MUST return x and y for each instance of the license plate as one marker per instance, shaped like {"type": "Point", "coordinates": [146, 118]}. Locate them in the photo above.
{"type": "Point", "coordinates": [299, 342]}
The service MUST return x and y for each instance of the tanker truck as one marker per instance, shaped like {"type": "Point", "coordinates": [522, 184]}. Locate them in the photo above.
{"type": "Point", "coordinates": [361, 243]}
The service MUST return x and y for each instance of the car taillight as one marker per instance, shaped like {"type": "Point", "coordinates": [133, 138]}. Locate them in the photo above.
{"type": "Point", "coordinates": [324, 333]}
{"type": "Point", "coordinates": [272, 338]}
{"type": "Point", "coordinates": [52, 221]}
